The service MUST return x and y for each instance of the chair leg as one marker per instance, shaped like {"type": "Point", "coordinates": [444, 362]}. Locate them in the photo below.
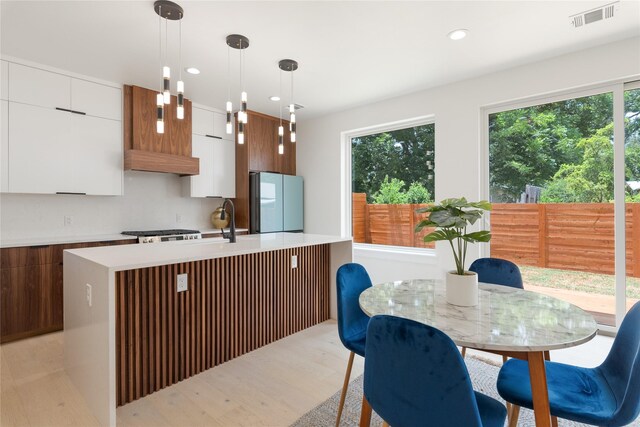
{"type": "Point", "coordinates": [513, 416]}
{"type": "Point", "coordinates": [464, 352]}
{"type": "Point", "coordinates": [345, 385]}
{"type": "Point", "coordinates": [504, 359]}
{"type": "Point", "coordinates": [554, 421]}
{"type": "Point", "coordinates": [385, 424]}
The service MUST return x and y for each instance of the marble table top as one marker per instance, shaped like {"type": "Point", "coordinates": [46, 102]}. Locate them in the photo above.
{"type": "Point", "coordinates": [505, 318]}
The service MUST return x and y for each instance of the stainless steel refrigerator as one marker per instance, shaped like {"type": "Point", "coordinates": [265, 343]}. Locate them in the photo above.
{"type": "Point", "coordinates": [276, 202]}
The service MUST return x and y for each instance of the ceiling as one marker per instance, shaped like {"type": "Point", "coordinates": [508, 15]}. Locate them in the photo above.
{"type": "Point", "coordinates": [350, 52]}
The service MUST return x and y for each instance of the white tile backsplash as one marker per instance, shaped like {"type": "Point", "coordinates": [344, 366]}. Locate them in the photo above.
{"type": "Point", "coordinates": [150, 201]}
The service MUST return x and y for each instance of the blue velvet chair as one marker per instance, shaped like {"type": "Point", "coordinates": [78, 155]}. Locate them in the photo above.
{"type": "Point", "coordinates": [351, 280]}
{"type": "Point", "coordinates": [415, 376]}
{"type": "Point", "coordinates": [608, 395]}
{"type": "Point", "coordinates": [498, 272]}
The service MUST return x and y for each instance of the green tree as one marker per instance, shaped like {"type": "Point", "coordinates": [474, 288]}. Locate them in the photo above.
{"type": "Point", "coordinates": [417, 193]}
{"type": "Point", "coordinates": [391, 192]}
{"type": "Point", "coordinates": [400, 154]}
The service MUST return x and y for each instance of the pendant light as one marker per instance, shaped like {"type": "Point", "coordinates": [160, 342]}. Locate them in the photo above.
{"type": "Point", "coordinates": [239, 42]}
{"type": "Point", "coordinates": [290, 65]}
{"type": "Point", "coordinates": [170, 11]}
{"type": "Point", "coordinates": [280, 128]}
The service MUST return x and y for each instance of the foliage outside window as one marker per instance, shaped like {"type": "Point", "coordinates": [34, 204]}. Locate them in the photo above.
{"type": "Point", "coordinates": [565, 148]}
{"type": "Point", "coordinates": [392, 172]}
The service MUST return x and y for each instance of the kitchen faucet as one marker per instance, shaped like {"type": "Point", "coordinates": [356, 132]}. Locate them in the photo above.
{"type": "Point", "coordinates": [231, 235]}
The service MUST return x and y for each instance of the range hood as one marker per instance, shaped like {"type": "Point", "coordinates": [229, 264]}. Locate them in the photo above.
{"type": "Point", "coordinates": [147, 150]}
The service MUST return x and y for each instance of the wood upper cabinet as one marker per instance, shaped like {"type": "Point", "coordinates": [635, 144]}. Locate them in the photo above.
{"type": "Point", "coordinates": [259, 153]}
{"type": "Point", "coordinates": [148, 150]}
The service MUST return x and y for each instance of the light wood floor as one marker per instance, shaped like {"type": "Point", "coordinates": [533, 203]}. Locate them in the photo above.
{"type": "Point", "coordinates": [272, 386]}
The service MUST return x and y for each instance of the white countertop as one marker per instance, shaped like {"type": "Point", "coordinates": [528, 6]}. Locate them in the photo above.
{"type": "Point", "coordinates": [128, 257]}
{"type": "Point", "coordinates": [61, 240]}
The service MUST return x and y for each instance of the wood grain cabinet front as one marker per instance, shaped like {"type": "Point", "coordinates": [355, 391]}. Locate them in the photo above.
{"type": "Point", "coordinates": [31, 288]}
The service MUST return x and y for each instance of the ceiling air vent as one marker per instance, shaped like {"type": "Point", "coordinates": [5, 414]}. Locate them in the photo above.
{"type": "Point", "coordinates": [594, 15]}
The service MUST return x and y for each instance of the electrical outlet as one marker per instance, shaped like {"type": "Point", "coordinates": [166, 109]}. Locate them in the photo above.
{"type": "Point", "coordinates": [182, 281]}
{"type": "Point", "coordinates": [294, 261]}
{"type": "Point", "coordinates": [178, 218]}
{"type": "Point", "coordinates": [68, 220]}
{"type": "Point", "coordinates": [88, 289]}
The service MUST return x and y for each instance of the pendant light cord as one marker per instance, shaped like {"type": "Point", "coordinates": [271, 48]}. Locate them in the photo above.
{"type": "Point", "coordinates": [280, 90]}
{"type": "Point", "coordinates": [180, 47]}
{"type": "Point", "coordinates": [160, 39]}
{"type": "Point", "coordinates": [228, 72]}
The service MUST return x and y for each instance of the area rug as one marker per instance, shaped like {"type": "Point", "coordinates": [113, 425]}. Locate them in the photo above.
{"type": "Point", "coordinates": [483, 375]}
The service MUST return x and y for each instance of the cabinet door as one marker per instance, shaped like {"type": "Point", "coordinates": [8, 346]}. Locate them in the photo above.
{"type": "Point", "coordinates": [4, 146]}
{"type": "Point", "coordinates": [224, 168]}
{"type": "Point", "coordinates": [262, 141]}
{"type": "Point", "coordinates": [32, 86]}
{"type": "Point", "coordinates": [96, 99]}
{"type": "Point", "coordinates": [220, 126]}
{"type": "Point", "coordinates": [96, 160]}
{"type": "Point", "coordinates": [4, 80]}
{"type": "Point", "coordinates": [202, 184]}
{"type": "Point", "coordinates": [39, 149]}
{"type": "Point", "coordinates": [202, 123]}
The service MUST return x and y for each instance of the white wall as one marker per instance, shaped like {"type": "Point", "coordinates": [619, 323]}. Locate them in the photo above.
{"type": "Point", "coordinates": [457, 110]}
{"type": "Point", "coordinates": [150, 201]}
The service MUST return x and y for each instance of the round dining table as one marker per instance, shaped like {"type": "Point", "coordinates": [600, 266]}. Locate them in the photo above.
{"type": "Point", "coordinates": [506, 321]}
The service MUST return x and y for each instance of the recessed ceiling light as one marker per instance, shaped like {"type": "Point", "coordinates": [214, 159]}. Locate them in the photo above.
{"type": "Point", "coordinates": [458, 34]}
{"type": "Point", "coordinates": [274, 98]}
{"type": "Point", "coordinates": [192, 70]}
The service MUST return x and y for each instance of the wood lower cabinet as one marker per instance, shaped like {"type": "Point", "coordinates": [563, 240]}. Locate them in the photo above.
{"type": "Point", "coordinates": [31, 289]}
{"type": "Point", "coordinates": [233, 305]}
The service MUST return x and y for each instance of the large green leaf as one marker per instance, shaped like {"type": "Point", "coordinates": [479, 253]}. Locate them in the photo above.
{"type": "Point", "coordinates": [477, 236]}
{"type": "Point", "coordinates": [439, 235]}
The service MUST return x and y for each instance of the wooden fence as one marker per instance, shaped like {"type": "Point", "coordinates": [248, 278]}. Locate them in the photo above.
{"type": "Point", "coordinates": [570, 236]}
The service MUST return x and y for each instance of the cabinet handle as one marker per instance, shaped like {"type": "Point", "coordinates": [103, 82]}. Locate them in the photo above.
{"type": "Point", "coordinates": [71, 111]}
{"type": "Point", "coordinates": [72, 193]}
{"type": "Point", "coordinates": [214, 197]}
{"type": "Point", "coordinates": [213, 136]}
{"type": "Point", "coordinates": [39, 246]}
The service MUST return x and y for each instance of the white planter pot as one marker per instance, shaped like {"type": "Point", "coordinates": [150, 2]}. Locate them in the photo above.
{"type": "Point", "coordinates": [462, 290]}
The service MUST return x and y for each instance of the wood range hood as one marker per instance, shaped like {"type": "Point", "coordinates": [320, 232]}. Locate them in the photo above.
{"type": "Point", "coordinates": [147, 150]}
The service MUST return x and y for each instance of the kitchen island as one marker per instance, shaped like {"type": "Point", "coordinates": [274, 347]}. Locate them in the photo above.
{"type": "Point", "coordinates": [130, 331]}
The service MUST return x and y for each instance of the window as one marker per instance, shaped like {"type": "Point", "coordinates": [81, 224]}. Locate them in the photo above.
{"type": "Point", "coordinates": [392, 176]}
{"type": "Point", "coordinates": [557, 192]}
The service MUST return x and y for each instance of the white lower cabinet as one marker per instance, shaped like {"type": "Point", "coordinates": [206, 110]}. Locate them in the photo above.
{"type": "Point", "coordinates": [52, 151]}
{"type": "Point", "coordinates": [217, 176]}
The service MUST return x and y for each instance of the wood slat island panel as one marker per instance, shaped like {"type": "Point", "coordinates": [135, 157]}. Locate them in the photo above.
{"type": "Point", "coordinates": [233, 305]}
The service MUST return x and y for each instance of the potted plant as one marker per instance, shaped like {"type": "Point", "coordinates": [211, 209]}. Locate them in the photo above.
{"type": "Point", "coordinates": [451, 218]}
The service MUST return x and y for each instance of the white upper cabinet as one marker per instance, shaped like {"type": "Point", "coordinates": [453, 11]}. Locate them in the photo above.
{"type": "Point", "coordinates": [32, 86]}
{"type": "Point", "coordinates": [39, 150]}
{"type": "Point", "coordinates": [4, 146]}
{"type": "Point", "coordinates": [95, 99]}
{"type": "Point", "coordinates": [224, 168]}
{"type": "Point", "coordinates": [96, 165]}
{"type": "Point", "coordinates": [201, 121]}
{"type": "Point", "coordinates": [202, 184]}
{"type": "Point", "coordinates": [64, 134]}
{"type": "Point", "coordinates": [4, 80]}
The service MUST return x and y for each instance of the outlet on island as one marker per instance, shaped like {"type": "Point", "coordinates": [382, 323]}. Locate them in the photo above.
{"type": "Point", "coordinates": [294, 261]}
{"type": "Point", "coordinates": [88, 296]}
{"type": "Point", "coordinates": [182, 282]}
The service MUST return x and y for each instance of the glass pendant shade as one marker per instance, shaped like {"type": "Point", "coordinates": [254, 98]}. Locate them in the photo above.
{"type": "Point", "coordinates": [159, 113]}
{"type": "Point", "coordinates": [166, 84]}
{"type": "Point", "coordinates": [229, 114]}
{"type": "Point", "coordinates": [180, 110]}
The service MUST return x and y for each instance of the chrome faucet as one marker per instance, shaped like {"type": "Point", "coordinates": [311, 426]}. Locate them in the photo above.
{"type": "Point", "coordinates": [231, 235]}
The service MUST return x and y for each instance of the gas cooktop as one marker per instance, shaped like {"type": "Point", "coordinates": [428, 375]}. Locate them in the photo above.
{"type": "Point", "coordinates": [152, 233]}
{"type": "Point", "coordinates": [155, 236]}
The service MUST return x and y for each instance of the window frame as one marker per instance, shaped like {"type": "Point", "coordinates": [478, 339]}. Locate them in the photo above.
{"type": "Point", "coordinates": [346, 223]}
{"type": "Point", "coordinates": [616, 88]}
